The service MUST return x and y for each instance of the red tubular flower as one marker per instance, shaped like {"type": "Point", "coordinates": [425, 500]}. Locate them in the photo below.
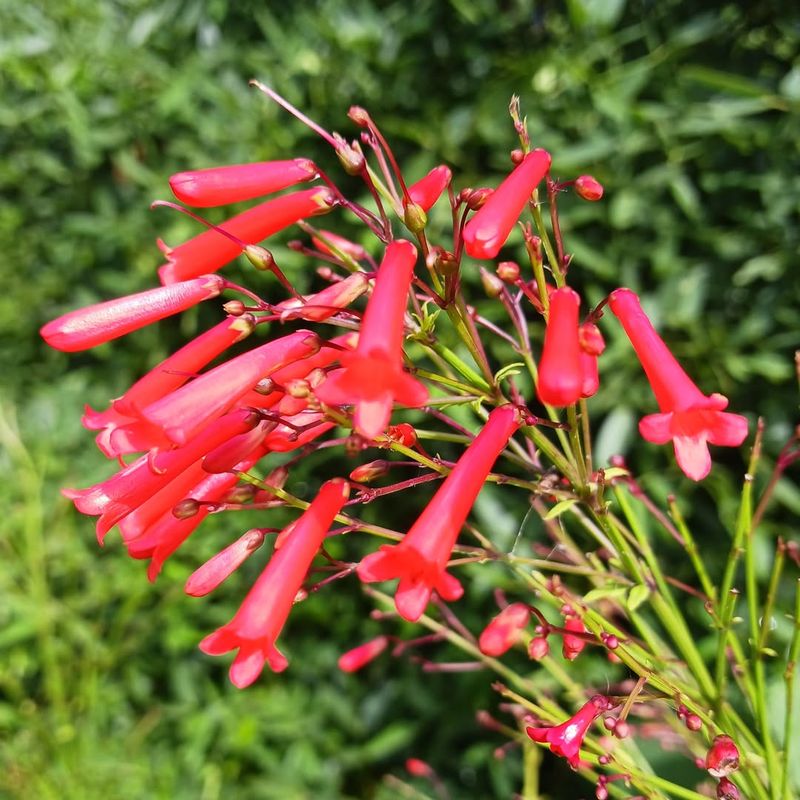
{"type": "Point", "coordinates": [373, 376]}
{"type": "Point", "coordinates": [322, 305]}
{"type": "Point", "coordinates": [353, 660]}
{"type": "Point", "coordinates": [505, 630]}
{"type": "Point", "coordinates": [188, 409]}
{"type": "Point", "coordinates": [488, 230]}
{"type": "Point", "coordinates": [211, 250]}
{"type": "Point", "coordinates": [219, 186]}
{"type": "Point", "coordinates": [428, 190]}
{"type": "Point", "coordinates": [123, 430]}
{"type": "Point", "coordinates": [689, 418]}
{"type": "Point", "coordinates": [419, 561]}
{"type": "Point", "coordinates": [169, 532]}
{"type": "Point", "coordinates": [207, 577]}
{"type": "Point", "coordinates": [93, 325]}
{"type": "Point", "coordinates": [258, 623]}
{"type": "Point", "coordinates": [566, 739]}
{"type": "Point", "coordinates": [560, 375]}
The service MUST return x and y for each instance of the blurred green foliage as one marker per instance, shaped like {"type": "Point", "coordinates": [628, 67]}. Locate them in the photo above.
{"type": "Point", "coordinates": [686, 111]}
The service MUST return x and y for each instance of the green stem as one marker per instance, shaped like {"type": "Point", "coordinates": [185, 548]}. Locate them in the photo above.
{"type": "Point", "coordinates": [788, 676]}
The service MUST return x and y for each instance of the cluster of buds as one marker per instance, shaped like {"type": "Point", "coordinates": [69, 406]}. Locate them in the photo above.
{"type": "Point", "coordinates": [197, 434]}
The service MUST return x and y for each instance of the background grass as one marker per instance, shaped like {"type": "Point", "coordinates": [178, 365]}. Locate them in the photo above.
{"type": "Point", "coordinates": [686, 111]}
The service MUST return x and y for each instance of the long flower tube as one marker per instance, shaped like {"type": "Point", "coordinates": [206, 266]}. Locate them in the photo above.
{"type": "Point", "coordinates": [560, 375]}
{"type": "Point", "coordinates": [420, 560]}
{"type": "Point", "coordinates": [488, 230]}
{"type": "Point", "coordinates": [211, 250]}
{"type": "Point", "coordinates": [259, 621]}
{"type": "Point", "coordinates": [102, 322]}
{"type": "Point", "coordinates": [373, 377]}
{"type": "Point", "coordinates": [690, 419]}
{"type": "Point", "coordinates": [188, 409]}
{"type": "Point", "coordinates": [219, 186]}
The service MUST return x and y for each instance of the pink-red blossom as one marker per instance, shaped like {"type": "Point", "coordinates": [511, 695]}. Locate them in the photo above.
{"type": "Point", "coordinates": [560, 381]}
{"type": "Point", "coordinates": [488, 230]}
{"type": "Point", "coordinates": [259, 621]}
{"type": "Point", "coordinates": [505, 630]}
{"type": "Point", "coordinates": [420, 559]}
{"type": "Point", "coordinates": [690, 419]}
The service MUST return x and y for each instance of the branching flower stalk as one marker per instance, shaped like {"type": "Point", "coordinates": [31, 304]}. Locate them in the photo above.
{"type": "Point", "coordinates": [417, 390]}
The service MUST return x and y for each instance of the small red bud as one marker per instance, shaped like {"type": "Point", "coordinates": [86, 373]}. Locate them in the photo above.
{"type": "Point", "coordinates": [727, 790]}
{"type": "Point", "coordinates": [369, 472]}
{"type": "Point", "coordinates": [722, 757]}
{"type": "Point", "coordinates": [588, 188]}
{"type": "Point", "coordinates": [353, 660]}
{"type": "Point", "coordinates": [418, 768]}
{"type": "Point", "coordinates": [517, 156]}
{"type": "Point", "coordinates": [693, 722]}
{"type": "Point", "coordinates": [478, 197]}
{"type": "Point", "coordinates": [359, 115]}
{"type": "Point", "coordinates": [622, 729]}
{"type": "Point", "coordinates": [538, 648]}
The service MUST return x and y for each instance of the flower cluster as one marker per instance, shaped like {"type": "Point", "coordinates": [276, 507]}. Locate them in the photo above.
{"type": "Point", "coordinates": [195, 435]}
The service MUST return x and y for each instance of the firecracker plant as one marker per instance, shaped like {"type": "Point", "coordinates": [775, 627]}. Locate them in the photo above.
{"type": "Point", "coordinates": [392, 328]}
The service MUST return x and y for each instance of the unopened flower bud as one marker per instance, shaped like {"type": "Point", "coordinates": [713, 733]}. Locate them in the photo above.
{"type": "Point", "coordinates": [359, 115]}
{"type": "Point", "coordinates": [727, 790]}
{"type": "Point", "coordinates": [508, 271]}
{"type": "Point", "coordinates": [722, 757]}
{"type": "Point", "coordinates": [369, 472]}
{"type": "Point", "coordinates": [573, 645]}
{"type": "Point", "coordinates": [241, 494]}
{"type": "Point", "coordinates": [351, 158]}
{"type": "Point", "coordinates": [609, 640]}
{"type": "Point", "coordinates": [353, 660]}
{"type": "Point", "coordinates": [478, 197]}
{"type": "Point", "coordinates": [517, 156]}
{"type": "Point", "coordinates": [590, 339]}
{"type": "Point", "coordinates": [414, 217]}
{"type": "Point", "coordinates": [297, 387]}
{"type": "Point", "coordinates": [265, 386]}
{"type": "Point", "coordinates": [693, 722]}
{"type": "Point", "coordinates": [211, 574]}
{"type": "Point", "coordinates": [588, 188]}
{"type": "Point", "coordinates": [601, 793]}
{"type": "Point", "coordinates": [622, 730]}
{"type": "Point", "coordinates": [277, 478]}
{"type": "Point", "coordinates": [259, 257]}
{"type": "Point", "coordinates": [418, 768]}
{"type": "Point", "coordinates": [609, 723]}
{"type": "Point", "coordinates": [186, 508]}
{"type": "Point", "coordinates": [492, 285]}
{"type": "Point", "coordinates": [441, 260]}
{"type": "Point", "coordinates": [234, 307]}
{"type": "Point", "coordinates": [538, 648]}
{"type": "Point", "coordinates": [402, 433]}
{"type": "Point", "coordinates": [504, 630]}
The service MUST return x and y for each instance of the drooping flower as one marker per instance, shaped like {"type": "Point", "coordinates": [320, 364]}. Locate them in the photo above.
{"type": "Point", "coordinates": [420, 559]}
{"type": "Point", "coordinates": [560, 381]}
{"type": "Point", "coordinates": [372, 378]}
{"type": "Point", "coordinates": [488, 230]}
{"type": "Point", "coordinates": [122, 428]}
{"type": "Point", "coordinates": [505, 630]}
{"type": "Point", "coordinates": [211, 250]}
{"type": "Point", "coordinates": [185, 411]}
{"type": "Point", "coordinates": [353, 660]}
{"type": "Point", "coordinates": [102, 322]}
{"type": "Point", "coordinates": [257, 624]}
{"type": "Point", "coordinates": [426, 191]}
{"type": "Point", "coordinates": [566, 739]}
{"type": "Point", "coordinates": [688, 417]}
{"type": "Point", "coordinates": [218, 186]}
